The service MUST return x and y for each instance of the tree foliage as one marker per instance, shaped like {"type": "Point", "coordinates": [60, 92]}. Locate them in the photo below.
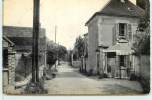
{"type": "Point", "coordinates": [79, 47]}
{"type": "Point", "coordinates": [142, 38]}
{"type": "Point", "coordinates": [55, 51]}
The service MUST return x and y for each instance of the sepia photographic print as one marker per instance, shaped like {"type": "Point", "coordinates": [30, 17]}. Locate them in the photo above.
{"type": "Point", "coordinates": [76, 47]}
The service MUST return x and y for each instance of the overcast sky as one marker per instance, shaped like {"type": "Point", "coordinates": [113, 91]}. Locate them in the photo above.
{"type": "Point", "coordinates": [69, 16]}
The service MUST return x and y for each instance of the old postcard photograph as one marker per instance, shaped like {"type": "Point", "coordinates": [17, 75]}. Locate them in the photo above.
{"type": "Point", "coordinates": [76, 47]}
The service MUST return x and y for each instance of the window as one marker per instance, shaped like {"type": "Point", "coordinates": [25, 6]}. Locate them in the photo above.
{"type": "Point", "coordinates": [122, 28]}
{"type": "Point", "coordinates": [122, 60]}
{"type": "Point", "coordinates": [5, 58]}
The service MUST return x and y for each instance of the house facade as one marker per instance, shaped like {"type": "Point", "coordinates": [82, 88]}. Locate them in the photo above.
{"type": "Point", "coordinates": [110, 38]}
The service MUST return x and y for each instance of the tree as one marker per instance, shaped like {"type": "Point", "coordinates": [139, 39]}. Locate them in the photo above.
{"type": "Point", "coordinates": [55, 52]}
{"type": "Point", "coordinates": [62, 51]}
{"type": "Point", "coordinates": [142, 39]}
{"type": "Point", "coordinates": [79, 47]}
{"type": "Point", "coordinates": [144, 22]}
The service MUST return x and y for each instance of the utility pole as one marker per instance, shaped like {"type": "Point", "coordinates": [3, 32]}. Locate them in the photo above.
{"type": "Point", "coordinates": [55, 43]}
{"type": "Point", "coordinates": [35, 69]}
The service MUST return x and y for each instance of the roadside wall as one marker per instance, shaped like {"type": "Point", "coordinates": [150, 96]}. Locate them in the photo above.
{"type": "Point", "coordinates": [142, 66]}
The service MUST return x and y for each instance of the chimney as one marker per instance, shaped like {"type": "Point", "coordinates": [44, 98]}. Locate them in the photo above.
{"type": "Point", "coordinates": [123, 1]}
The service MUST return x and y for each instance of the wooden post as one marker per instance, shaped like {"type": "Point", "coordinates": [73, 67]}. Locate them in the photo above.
{"type": "Point", "coordinates": [35, 69]}
{"type": "Point", "coordinates": [55, 43]}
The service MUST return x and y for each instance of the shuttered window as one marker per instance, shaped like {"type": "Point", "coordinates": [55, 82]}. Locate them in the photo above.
{"type": "Point", "coordinates": [122, 30]}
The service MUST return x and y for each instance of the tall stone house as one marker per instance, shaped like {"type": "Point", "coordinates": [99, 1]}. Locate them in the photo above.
{"type": "Point", "coordinates": [110, 38]}
{"type": "Point", "coordinates": [22, 39]}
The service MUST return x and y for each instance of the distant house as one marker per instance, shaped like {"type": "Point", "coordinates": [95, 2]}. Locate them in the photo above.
{"type": "Point", "coordinates": [110, 37]}
{"type": "Point", "coordinates": [22, 38]}
{"type": "Point", "coordinates": [8, 64]}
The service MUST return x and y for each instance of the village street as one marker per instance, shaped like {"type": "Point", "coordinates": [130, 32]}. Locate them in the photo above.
{"type": "Point", "coordinates": [69, 81]}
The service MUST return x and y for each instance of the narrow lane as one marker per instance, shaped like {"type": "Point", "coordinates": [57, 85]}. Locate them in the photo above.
{"type": "Point", "coordinates": [70, 82]}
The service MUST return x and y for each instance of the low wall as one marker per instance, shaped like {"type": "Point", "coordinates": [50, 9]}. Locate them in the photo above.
{"type": "Point", "coordinates": [145, 66]}
{"type": "Point", "coordinates": [142, 66]}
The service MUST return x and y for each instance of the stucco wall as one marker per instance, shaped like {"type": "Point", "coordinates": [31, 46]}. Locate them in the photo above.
{"type": "Point", "coordinates": [92, 44]}
{"type": "Point", "coordinates": [106, 28]}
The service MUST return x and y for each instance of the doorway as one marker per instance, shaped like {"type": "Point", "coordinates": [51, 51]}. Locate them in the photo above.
{"type": "Point", "coordinates": [123, 62]}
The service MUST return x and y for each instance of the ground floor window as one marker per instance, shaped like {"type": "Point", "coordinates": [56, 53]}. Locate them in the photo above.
{"type": "Point", "coordinates": [122, 60]}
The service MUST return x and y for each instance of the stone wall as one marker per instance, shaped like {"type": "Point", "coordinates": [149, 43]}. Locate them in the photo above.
{"type": "Point", "coordinates": [9, 68]}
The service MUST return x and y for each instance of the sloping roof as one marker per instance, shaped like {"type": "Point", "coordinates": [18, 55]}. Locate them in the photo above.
{"type": "Point", "coordinates": [8, 40]}
{"type": "Point", "coordinates": [117, 8]}
{"type": "Point", "coordinates": [120, 49]}
{"type": "Point", "coordinates": [22, 37]}
{"type": "Point", "coordinates": [16, 31]}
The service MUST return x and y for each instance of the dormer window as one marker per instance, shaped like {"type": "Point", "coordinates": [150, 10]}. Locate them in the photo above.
{"type": "Point", "coordinates": [122, 29]}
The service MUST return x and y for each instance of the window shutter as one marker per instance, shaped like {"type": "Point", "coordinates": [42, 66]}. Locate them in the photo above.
{"type": "Point", "coordinates": [129, 32]}
{"type": "Point", "coordinates": [115, 33]}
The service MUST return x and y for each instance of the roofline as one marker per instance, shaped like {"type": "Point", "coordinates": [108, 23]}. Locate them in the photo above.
{"type": "Point", "coordinates": [99, 13]}
{"type": "Point", "coordinates": [8, 40]}
{"type": "Point", "coordinates": [28, 27]}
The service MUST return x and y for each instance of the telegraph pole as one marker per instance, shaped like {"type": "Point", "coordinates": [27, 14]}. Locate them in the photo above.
{"type": "Point", "coordinates": [55, 43]}
{"type": "Point", "coordinates": [35, 69]}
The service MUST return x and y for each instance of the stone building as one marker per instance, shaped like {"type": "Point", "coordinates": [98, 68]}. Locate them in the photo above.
{"type": "Point", "coordinates": [8, 64]}
{"type": "Point", "coordinates": [110, 37]}
{"type": "Point", "coordinates": [22, 38]}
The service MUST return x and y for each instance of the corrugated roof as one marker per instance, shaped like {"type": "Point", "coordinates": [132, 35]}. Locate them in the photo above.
{"type": "Point", "coordinates": [117, 8]}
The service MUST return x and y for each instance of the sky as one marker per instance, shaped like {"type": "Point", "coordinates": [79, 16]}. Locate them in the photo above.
{"type": "Point", "coordinates": [69, 16]}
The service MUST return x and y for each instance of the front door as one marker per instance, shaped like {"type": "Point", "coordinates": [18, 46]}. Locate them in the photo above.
{"type": "Point", "coordinates": [123, 66]}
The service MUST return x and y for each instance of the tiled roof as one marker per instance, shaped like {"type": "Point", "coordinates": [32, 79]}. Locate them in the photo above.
{"type": "Point", "coordinates": [117, 8]}
{"type": "Point", "coordinates": [16, 31]}
{"type": "Point", "coordinates": [22, 37]}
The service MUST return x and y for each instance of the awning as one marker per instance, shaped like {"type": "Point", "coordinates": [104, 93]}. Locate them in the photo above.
{"type": "Point", "coordinates": [120, 49]}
